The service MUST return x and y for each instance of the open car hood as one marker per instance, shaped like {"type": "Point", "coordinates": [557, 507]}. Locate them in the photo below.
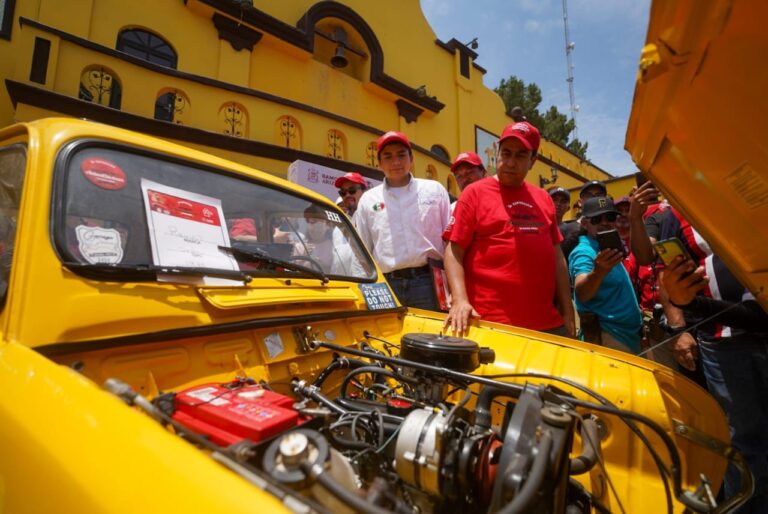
{"type": "Point", "coordinates": [697, 125]}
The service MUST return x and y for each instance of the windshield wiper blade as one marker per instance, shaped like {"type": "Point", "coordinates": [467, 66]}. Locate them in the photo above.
{"type": "Point", "coordinates": [144, 269]}
{"type": "Point", "coordinates": [261, 256]}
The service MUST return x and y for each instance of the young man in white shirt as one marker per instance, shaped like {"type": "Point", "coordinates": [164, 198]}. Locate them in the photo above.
{"type": "Point", "coordinates": [401, 222]}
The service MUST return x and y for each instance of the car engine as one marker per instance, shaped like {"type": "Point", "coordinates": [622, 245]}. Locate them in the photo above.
{"type": "Point", "coordinates": [394, 432]}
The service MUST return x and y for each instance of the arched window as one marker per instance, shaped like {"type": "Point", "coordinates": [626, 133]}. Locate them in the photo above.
{"type": "Point", "coordinates": [337, 144]}
{"type": "Point", "coordinates": [288, 132]}
{"type": "Point", "coordinates": [172, 105]}
{"type": "Point", "coordinates": [440, 152]}
{"type": "Point", "coordinates": [431, 172]}
{"type": "Point", "coordinates": [233, 119]}
{"type": "Point", "coordinates": [147, 46]}
{"type": "Point", "coordinates": [371, 158]}
{"type": "Point", "coordinates": [100, 85]}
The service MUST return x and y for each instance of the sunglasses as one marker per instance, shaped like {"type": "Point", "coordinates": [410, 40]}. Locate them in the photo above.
{"type": "Point", "coordinates": [349, 191]}
{"type": "Point", "coordinates": [610, 217]}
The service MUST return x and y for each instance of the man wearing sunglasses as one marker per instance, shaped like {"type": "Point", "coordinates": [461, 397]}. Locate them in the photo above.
{"type": "Point", "coordinates": [351, 188]}
{"type": "Point", "coordinates": [604, 295]}
{"type": "Point", "coordinates": [467, 168]}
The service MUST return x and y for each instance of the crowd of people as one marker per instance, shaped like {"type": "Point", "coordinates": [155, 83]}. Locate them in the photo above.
{"type": "Point", "coordinates": [510, 257]}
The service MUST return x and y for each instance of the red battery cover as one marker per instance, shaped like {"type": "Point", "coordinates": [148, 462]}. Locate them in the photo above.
{"type": "Point", "coordinates": [228, 415]}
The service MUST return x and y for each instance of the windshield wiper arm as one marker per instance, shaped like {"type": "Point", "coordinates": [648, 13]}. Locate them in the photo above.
{"type": "Point", "coordinates": [143, 269]}
{"type": "Point", "coordinates": [261, 256]}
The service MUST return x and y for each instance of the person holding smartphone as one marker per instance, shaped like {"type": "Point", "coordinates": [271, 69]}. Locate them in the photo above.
{"type": "Point", "coordinates": [605, 299]}
{"type": "Point", "coordinates": [731, 349]}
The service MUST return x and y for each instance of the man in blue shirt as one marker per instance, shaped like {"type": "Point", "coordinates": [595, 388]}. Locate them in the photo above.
{"type": "Point", "coordinates": [602, 286]}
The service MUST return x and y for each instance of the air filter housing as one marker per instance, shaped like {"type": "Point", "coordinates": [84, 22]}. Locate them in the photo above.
{"type": "Point", "coordinates": [454, 353]}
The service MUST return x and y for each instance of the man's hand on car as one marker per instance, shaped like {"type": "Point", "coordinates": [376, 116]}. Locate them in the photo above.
{"type": "Point", "coordinates": [458, 316]}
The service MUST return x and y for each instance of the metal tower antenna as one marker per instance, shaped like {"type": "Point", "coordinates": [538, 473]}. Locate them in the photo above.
{"type": "Point", "coordinates": [569, 46]}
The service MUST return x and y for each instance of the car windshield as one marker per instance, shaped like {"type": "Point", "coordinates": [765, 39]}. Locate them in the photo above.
{"type": "Point", "coordinates": [119, 209]}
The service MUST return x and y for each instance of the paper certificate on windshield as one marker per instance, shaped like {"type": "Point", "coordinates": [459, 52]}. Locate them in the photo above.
{"type": "Point", "coordinates": [185, 229]}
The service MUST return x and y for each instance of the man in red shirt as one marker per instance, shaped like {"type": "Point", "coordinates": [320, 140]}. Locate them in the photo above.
{"type": "Point", "coordinates": [503, 260]}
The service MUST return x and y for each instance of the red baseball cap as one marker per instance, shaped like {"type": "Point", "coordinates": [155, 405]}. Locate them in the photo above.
{"type": "Point", "coordinates": [467, 158]}
{"type": "Point", "coordinates": [392, 137]}
{"type": "Point", "coordinates": [352, 177]}
{"type": "Point", "coordinates": [525, 133]}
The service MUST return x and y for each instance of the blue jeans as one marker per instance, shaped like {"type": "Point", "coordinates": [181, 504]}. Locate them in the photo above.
{"type": "Point", "coordinates": [418, 291]}
{"type": "Point", "coordinates": [737, 376]}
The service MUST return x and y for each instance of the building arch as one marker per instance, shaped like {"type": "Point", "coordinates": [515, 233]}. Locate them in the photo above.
{"type": "Point", "coordinates": [146, 45]}
{"type": "Point", "coordinates": [332, 9]}
{"type": "Point", "coordinates": [288, 132]}
{"type": "Point", "coordinates": [233, 119]}
{"type": "Point", "coordinates": [100, 85]}
{"type": "Point", "coordinates": [172, 105]}
{"type": "Point", "coordinates": [441, 152]}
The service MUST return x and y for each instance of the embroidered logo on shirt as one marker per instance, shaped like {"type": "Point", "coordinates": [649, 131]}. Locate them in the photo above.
{"type": "Point", "coordinates": [515, 204]}
{"type": "Point", "coordinates": [525, 218]}
{"type": "Point", "coordinates": [378, 206]}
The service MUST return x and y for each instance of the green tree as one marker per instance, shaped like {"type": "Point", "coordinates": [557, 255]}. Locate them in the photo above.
{"type": "Point", "coordinates": [553, 124]}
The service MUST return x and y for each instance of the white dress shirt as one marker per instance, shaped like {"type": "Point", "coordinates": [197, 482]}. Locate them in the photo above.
{"type": "Point", "coordinates": [403, 226]}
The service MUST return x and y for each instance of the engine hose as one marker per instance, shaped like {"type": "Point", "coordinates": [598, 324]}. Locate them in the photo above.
{"type": "Point", "coordinates": [483, 406]}
{"type": "Point", "coordinates": [527, 495]}
{"type": "Point", "coordinates": [349, 498]}
{"type": "Point", "coordinates": [302, 388]}
{"type": "Point", "coordinates": [590, 437]}
{"type": "Point", "coordinates": [373, 370]}
{"type": "Point", "coordinates": [347, 444]}
{"type": "Point", "coordinates": [338, 363]}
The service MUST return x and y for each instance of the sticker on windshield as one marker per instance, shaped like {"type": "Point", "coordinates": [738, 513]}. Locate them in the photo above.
{"type": "Point", "coordinates": [333, 216]}
{"type": "Point", "coordinates": [99, 245]}
{"type": "Point", "coordinates": [103, 173]}
{"type": "Point", "coordinates": [185, 228]}
{"type": "Point", "coordinates": [378, 296]}
{"type": "Point", "coordinates": [274, 344]}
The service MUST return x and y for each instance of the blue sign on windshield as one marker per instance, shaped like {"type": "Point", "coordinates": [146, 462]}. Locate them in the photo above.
{"type": "Point", "coordinates": [378, 296]}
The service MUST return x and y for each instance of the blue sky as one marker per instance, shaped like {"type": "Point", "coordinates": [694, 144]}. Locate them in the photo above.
{"type": "Point", "coordinates": [525, 38]}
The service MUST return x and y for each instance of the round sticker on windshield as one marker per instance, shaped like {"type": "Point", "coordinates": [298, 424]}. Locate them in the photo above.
{"type": "Point", "coordinates": [103, 173]}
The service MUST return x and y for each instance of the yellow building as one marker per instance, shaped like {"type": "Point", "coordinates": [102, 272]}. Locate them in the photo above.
{"type": "Point", "coordinates": [264, 83]}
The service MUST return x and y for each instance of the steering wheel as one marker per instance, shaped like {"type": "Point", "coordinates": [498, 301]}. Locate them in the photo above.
{"type": "Point", "coordinates": [311, 260]}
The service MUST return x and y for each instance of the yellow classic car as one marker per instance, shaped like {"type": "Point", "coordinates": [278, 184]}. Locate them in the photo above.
{"type": "Point", "coordinates": [176, 335]}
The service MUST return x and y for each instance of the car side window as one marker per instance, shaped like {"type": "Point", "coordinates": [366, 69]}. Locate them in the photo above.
{"type": "Point", "coordinates": [12, 164]}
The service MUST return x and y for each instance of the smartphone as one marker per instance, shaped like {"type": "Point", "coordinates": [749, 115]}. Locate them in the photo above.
{"type": "Point", "coordinates": [668, 249]}
{"type": "Point", "coordinates": [610, 240]}
{"type": "Point", "coordinates": [640, 179]}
